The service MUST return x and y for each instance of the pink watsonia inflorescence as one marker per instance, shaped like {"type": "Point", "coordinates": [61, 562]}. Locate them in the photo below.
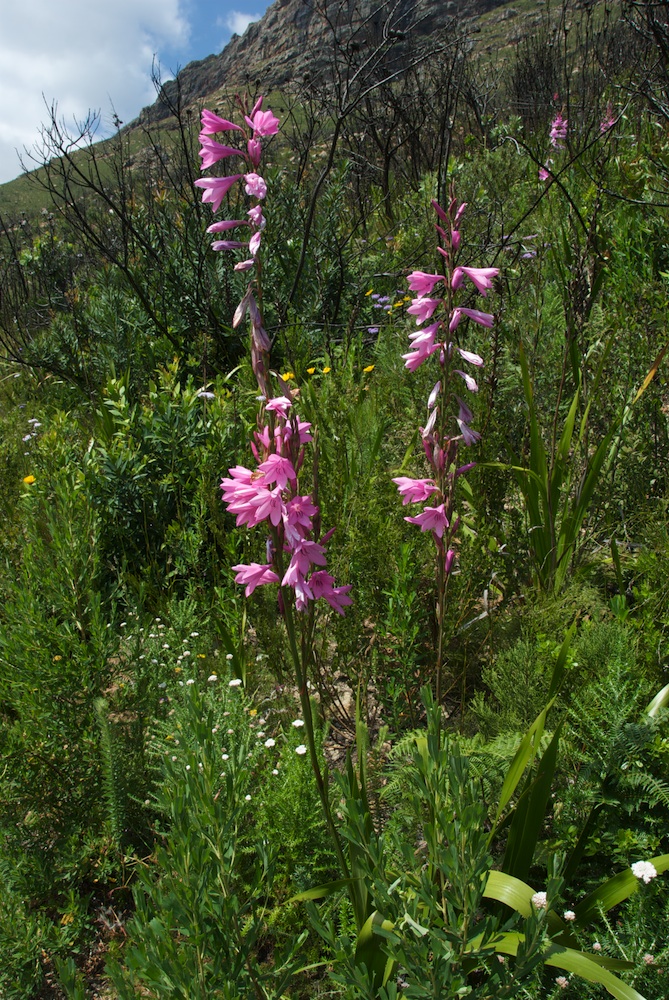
{"type": "Point", "coordinates": [271, 494]}
{"type": "Point", "coordinates": [558, 132]}
{"type": "Point", "coordinates": [445, 432]}
{"type": "Point", "coordinates": [258, 125]}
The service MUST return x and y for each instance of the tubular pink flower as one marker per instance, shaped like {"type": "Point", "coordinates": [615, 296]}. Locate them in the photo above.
{"type": "Point", "coordinates": [434, 395]}
{"type": "Point", "coordinates": [255, 186]}
{"type": "Point", "coordinates": [473, 359]}
{"type": "Point", "coordinates": [414, 490]}
{"type": "Point", "coordinates": [212, 151]}
{"type": "Point", "coordinates": [254, 576]}
{"type": "Point", "coordinates": [414, 359]}
{"type": "Point", "coordinates": [469, 381]}
{"type": "Point", "coordinates": [280, 404]}
{"type": "Point", "coordinates": [481, 276]}
{"type": "Point", "coordinates": [268, 504]}
{"type": "Point", "coordinates": [431, 519]}
{"type": "Point", "coordinates": [256, 216]}
{"type": "Point", "coordinates": [460, 212]}
{"type": "Point", "coordinates": [276, 469]}
{"type": "Point", "coordinates": [469, 436]}
{"type": "Point", "coordinates": [254, 149]}
{"type": "Point", "coordinates": [322, 585]}
{"type": "Point", "coordinates": [211, 124]}
{"type": "Point", "coordinates": [263, 123]}
{"type": "Point", "coordinates": [423, 283]}
{"type": "Point", "coordinates": [483, 319]}
{"type": "Point", "coordinates": [245, 265]}
{"type": "Point", "coordinates": [216, 188]}
{"type": "Point", "coordinates": [225, 224]}
{"type": "Point", "coordinates": [423, 308]}
{"type": "Point", "coordinates": [543, 173]}
{"type": "Point", "coordinates": [227, 245]}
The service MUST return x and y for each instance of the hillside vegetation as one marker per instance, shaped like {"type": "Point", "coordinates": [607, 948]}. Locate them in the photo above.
{"type": "Point", "coordinates": [386, 717]}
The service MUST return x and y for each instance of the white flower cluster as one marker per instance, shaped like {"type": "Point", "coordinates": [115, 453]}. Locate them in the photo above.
{"type": "Point", "coordinates": [539, 900]}
{"type": "Point", "coordinates": [644, 870]}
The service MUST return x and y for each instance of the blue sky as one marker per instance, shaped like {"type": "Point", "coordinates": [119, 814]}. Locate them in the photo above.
{"type": "Point", "coordinates": [97, 54]}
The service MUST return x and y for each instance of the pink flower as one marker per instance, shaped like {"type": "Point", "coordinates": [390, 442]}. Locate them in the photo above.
{"type": "Point", "coordinates": [245, 265]}
{"type": "Point", "coordinates": [473, 359]}
{"type": "Point", "coordinates": [481, 276]}
{"type": "Point", "coordinates": [255, 186]}
{"type": "Point", "coordinates": [254, 243]}
{"type": "Point", "coordinates": [431, 519]}
{"type": "Point", "coordinates": [322, 585]}
{"type": "Point", "coordinates": [423, 283]}
{"type": "Point", "coordinates": [558, 130]}
{"type": "Point", "coordinates": [609, 121]}
{"type": "Point", "coordinates": [253, 576]}
{"type": "Point", "coordinates": [469, 436]}
{"type": "Point", "coordinates": [211, 152]}
{"type": "Point", "coordinates": [469, 381]}
{"type": "Point", "coordinates": [543, 174]}
{"type": "Point", "coordinates": [224, 225]}
{"type": "Point", "coordinates": [256, 216]}
{"type": "Point", "coordinates": [281, 405]}
{"type": "Point", "coordinates": [216, 188]}
{"type": "Point", "coordinates": [254, 149]}
{"type": "Point", "coordinates": [278, 470]}
{"type": "Point", "coordinates": [483, 319]}
{"type": "Point", "coordinates": [263, 123]}
{"type": "Point", "coordinates": [227, 245]}
{"type": "Point", "coordinates": [211, 123]}
{"type": "Point", "coordinates": [414, 490]}
{"type": "Point", "coordinates": [423, 308]}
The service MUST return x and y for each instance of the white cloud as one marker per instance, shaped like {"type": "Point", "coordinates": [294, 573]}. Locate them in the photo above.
{"type": "Point", "coordinates": [237, 22]}
{"type": "Point", "coordinates": [83, 54]}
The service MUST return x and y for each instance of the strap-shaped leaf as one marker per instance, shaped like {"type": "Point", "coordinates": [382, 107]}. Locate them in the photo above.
{"type": "Point", "coordinates": [580, 964]}
{"type": "Point", "coordinates": [661, 700]}
{"type": "Point", "coordinates": [368, 950]}
{"type": "Point", "coordinates": [530, 812]}
{"type": "Point", "coordinates": [525, 753]}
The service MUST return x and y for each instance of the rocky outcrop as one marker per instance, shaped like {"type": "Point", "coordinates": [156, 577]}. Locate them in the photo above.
{"type": "Point", "coordinates": [297, 40]}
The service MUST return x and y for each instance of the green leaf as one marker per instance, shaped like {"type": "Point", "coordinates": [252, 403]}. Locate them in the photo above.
{"type": "Point", "coordinates": [525, 753]}
{"type": "Point", "coordinates": [368, 950]}
{"type": "Point", "coordinates": [321, 891]}
{"type": "Point", "coordinates": [509, 890]}
{"type": "Point", "coordinates": [529, 815]}
{"type": "Point", "coordinates": [580, 964]}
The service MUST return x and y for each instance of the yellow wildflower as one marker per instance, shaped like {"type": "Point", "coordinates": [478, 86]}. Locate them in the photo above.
{"type": "Point", "coordinates": [369, 368]}
{"type": "Point", "coordinates": [326, 370]}
{"type": "Point", "coordinates": [287, 377]}
{"type": "Point", "coordinates": [57, 658]}
{"type": "Point", "coordinates": [253, 711]}
{"type": "Point", "coordinates": [29, 480]}
{"type": "Point", "coordinates": [369, 292]}
{"type": "Point", "coordinates": [310, 371]}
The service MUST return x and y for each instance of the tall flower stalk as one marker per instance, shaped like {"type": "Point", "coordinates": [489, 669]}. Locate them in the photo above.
{"type": "Point", "coordinates": [271, 494]}
{"type": "Point", "coordinates": [448, 427]}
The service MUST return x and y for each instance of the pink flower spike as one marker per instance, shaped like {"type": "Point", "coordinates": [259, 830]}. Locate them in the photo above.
{"type": "Point", "coordinates": [414, 490]}
{"type": "Point", "coordinates": [254, 576]}
{"type": "Point", "coordinates": [255, 186]}
{"type": "Point", "coordinates": [469, 381]}
{"type": "Point", "coordinates": [558, 131]}
{"type": "Point", "coordinates": [211, 124]}
{"type": "Point", "coordinates": [473, 359]}
{"type": "Point", "coordinates": [423, 308]}
{"type": "Point", "coordinates": [211, 152]}
{"type": "Point", "coordinates": [431, 519]}
{"type": "Point", "coordinates": [423, 283]}
{"type": "Point", "coordinates": [216, 188]}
